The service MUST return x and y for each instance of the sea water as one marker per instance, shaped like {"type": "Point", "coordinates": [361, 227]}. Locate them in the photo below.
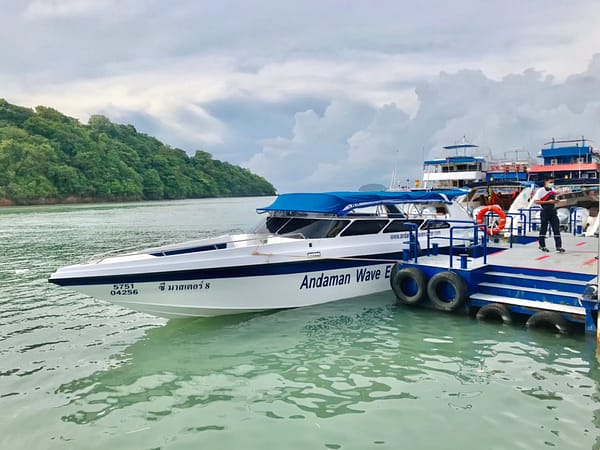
{"type": "Point", "coordinates": [364, 373]}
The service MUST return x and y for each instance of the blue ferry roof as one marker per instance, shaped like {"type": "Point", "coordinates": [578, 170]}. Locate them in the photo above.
{"type": "Point", "coordinates": [554, 152]}
{"type": "Point", "coordinates": [454, 159]}
{"type": "Point", "coordinates": [343, 202]}
{"type": "Point", "coordinates": [452, 147]}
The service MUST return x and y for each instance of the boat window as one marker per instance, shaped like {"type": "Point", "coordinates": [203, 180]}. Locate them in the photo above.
{"type": "Point", "coordinates": [397, 226]}
{"type": "Point", "coordinates": [270, 225]}
{"type": "Point", "coordinates": [314, 228]}
{"type": "Point", "coordinates": [434, 225]}
{"type": "Point", "coordinates": [393, 211]}
{"type": "Point", "coordinates": [359, 227]}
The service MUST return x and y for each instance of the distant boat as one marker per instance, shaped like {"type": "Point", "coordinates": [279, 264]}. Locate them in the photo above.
{"type": "Point", "coordinates": [308, 249]}
{"type": "Point", "coordinates": [455, 170]}
{"type": "Point", "coordinates": [575, 166]}
{"type": "Point", "coordinates": [573, 162]}
{"type": "Point", "coordinates": [510, 168]}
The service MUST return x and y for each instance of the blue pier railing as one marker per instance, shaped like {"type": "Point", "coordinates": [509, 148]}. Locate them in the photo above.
{"type": "Point", "coordinates": [456, 225]}
{"type": "Point", "coordinates": [413, 241]}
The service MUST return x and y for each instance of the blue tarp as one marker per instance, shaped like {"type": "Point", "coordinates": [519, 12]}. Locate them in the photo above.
{"type": "Point", "coordinates": [343, 202]}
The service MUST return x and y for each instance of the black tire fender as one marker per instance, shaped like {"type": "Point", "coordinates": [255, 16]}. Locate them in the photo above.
{"type": "Point", "coordinates": [549, 319]}
{"type": "Point", "coordinates": [493, 311]}
{"type": "Point", "coordinates": [409, 285]}
{"type": "Point", "coordinates": [444, 283]}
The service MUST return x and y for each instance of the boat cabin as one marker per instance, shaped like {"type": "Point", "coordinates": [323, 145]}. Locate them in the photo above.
{"type": "Point", "coordinates": [454, 171]}
{"type": "Point", "coordinates": [567, 160]}
{"type": "Point", "coordinates": [330, 215]}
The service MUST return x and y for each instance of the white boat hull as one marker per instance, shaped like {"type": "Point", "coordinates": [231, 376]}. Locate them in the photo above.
{"type": "Point", "coordinates": [338, 258]}
{"type": "Point", "coordinates": [222, 296]}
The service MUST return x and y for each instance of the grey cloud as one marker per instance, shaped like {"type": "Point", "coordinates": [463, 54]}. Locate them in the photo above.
{"type": "Point", "coordinates": [297, 89]}
{"type": "Point", "coordinates": [520, 111]}
{"type": "Point", "coordinates": [115, 37]}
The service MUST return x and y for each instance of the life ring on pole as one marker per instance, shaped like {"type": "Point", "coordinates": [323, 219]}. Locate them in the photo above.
{"type": "Point", "coordinates": [409, 284]}
{"type": "Point", "coordinates": [496, 210]}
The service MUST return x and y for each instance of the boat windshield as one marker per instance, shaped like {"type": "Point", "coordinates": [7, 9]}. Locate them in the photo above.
{"type": "Point", "coordinates": [308, 228]}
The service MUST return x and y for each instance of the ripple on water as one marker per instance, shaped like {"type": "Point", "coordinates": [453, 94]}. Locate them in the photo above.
{"type": "Point", "coordinates": [355, 374]}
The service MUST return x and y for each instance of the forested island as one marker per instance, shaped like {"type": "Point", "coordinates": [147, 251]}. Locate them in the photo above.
{"type": "Point", "coordinates": [48, 157]}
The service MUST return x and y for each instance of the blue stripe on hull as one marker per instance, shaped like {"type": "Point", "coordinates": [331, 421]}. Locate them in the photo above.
{"type": "Point", "coordinates": [257, 270]}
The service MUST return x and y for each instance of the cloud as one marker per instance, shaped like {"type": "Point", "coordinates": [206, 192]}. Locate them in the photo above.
{"type": "Point", "coordinates": [353, 144]}
{"type": "Point", "coordinates": [66, 8]}
{"type": "Point", "coordinates": [312, 94]}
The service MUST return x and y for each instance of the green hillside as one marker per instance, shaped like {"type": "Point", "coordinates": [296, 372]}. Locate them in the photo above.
{"type": "Point", "coordinates": [47, 157]}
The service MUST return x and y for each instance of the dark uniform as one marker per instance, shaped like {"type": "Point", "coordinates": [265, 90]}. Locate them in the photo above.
{"type": "Point", "coordinates": [548, 216]}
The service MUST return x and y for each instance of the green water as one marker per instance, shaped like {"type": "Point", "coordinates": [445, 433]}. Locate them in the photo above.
{"type": "Point", "coordinates": [77, 373]}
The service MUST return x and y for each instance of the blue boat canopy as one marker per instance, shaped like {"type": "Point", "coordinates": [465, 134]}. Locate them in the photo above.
{"type": "Point", "coordinates": [342, 203]}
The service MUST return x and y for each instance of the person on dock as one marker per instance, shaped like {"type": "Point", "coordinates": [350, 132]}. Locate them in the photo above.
{"type": "Point", "coordinates": [546, 198]}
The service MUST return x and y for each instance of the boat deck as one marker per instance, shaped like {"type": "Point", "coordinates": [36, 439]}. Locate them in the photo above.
{"type": "Point", "coordinates": [518, 279]}
{"type": "Point", "coordinates": [580, 257]}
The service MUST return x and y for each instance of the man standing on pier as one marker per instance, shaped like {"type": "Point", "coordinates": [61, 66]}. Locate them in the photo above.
{"type": "Point", "coordinates": [546, 198]}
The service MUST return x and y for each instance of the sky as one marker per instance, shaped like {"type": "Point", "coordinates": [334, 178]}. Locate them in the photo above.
{"type": "Point", "coordinates": [314, 95]}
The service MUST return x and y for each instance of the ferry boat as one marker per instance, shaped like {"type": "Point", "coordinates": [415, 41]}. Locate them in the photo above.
{"type": "Point", "coordinates": [454, 171]}
{"type": "Point", "coordinates": [575, 165]}
{"type": "Point", "coordinates": [486, 182]}
{"type": "Point", "coordinates": [569, 161]}
{"type": "Point", "coordinates": [510, 168]}
{"type": "Point", "coordinates": [309, 248]}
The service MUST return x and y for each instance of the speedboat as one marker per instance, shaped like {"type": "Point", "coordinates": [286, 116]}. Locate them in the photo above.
{"type": "Point", "coordinates": [309, 248]}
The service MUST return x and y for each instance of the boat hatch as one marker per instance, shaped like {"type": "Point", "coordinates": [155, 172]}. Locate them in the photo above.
{"type": "Point", "coordinates": [181, 251]}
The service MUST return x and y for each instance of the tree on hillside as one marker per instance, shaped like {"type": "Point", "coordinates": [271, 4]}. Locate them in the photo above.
{"type": "Point", "coordinates": [48, 156]}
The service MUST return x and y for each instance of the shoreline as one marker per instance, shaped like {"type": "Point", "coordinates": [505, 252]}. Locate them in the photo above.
{"type": "Point", "coordinates": [76, 200]}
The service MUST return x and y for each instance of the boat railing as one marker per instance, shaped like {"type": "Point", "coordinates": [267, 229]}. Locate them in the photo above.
{"type": "Point", "coordinates": [413, 241]}
{"type": "Point", "coordinates": [456, 225]}
{"type": "Point", "coordinates": [520, 227]}
{"type": "Point", "coordinates": [575, 223]}
{"type": "Point", "coordinates": [532, 223]}
{"type": "Point", "coordinates": [478, 242]}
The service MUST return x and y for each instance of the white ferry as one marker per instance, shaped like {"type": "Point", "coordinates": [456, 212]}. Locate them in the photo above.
{"type": "Point", "coordinates": [454, 171]}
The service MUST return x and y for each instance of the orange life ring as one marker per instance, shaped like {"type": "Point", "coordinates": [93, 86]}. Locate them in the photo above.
{"type": "Point", "coordinates": [496, 210]}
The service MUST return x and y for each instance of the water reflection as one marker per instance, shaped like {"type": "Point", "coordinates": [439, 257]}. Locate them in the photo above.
{"type": "Point", "coordinates": [345, 359]}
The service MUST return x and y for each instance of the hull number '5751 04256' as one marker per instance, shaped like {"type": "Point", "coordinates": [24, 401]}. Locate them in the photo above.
{"type": "Point", "coordinates": [124, 289]}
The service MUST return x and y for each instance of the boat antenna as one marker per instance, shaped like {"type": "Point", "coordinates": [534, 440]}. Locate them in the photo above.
{"type": "Point", "coordinates": [393, 183]}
